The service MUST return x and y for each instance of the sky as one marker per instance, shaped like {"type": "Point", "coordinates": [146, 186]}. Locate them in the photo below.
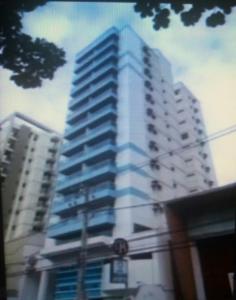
{"type": "Point", "coordinates": [201, 57]}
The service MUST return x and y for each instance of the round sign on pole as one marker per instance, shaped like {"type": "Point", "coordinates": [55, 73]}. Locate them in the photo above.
{"type": "Point", "coordinates": [120, 247]}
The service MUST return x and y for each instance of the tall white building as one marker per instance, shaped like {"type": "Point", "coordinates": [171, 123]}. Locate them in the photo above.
{"type": "Point", "coordinates": [128, 140]}
{"type": "Point", "coordinates": [29, 154]}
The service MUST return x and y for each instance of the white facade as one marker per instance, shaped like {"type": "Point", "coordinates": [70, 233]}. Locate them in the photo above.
{"type": "Point", "coordinates": [152, 165]}
{"type": "Point", "coordinates": [29, 153]}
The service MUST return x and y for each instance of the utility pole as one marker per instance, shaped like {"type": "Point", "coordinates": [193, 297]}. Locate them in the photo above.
{"type": "Point", "coordinates": [82, 259]}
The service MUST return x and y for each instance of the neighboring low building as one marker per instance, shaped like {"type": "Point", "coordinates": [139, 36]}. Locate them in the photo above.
{"type": "Point", "coordinates": [202, 231]}
{"type": "Point", "coordinates": [29, 157]}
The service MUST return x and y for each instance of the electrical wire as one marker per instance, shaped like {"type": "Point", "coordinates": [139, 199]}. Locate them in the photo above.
{"type": "Point", "coordinates": [211, 137]}
{"type": "Point", "coordinates": [214, 136]}
{"type": "Point", "coordinates": [168, 232]}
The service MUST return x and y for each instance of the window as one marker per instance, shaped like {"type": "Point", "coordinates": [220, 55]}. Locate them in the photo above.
{"type": "Point", "coordinates": [167, 125]}
{"type": "Point", "coordinates": [149, 99]}
{"type": "Point", "coordinates": [177, 91]}
{"type": "Point", "coordinates": [24, 185]}
{"type": "Point", "coordinates": [184, 136]}
{"type": "Point", "coordinates": [200, 131]}
{"type": "Point", "coordinates": [151, 113]}
{"type": "Point", "coordinates": [156, 185]}
{"type": "Point", "coordinates": [166, 113]}
{"type": "Point", "coordinates": [195, 110]}
{"type": "Point", "coordinates": [146, 50]}
{"type": "Point", "coordinates": [153, 146]}
{"type": "Point", "coordinates": [35, 137]}
{"type": "Point", "coordinates": [152, 128]}
{"type": "Point", "coordinates": [180, 111]}
{"type": "Point", "coordinates": [148, 85]}
{"type": "Point", "coordinates": [148, 73]}
{"type": "Point", "coordinates": [174, 185]}
{"type": "Point", "coordinates": [179, 100]}
{"type": "Point", "coordinates": [147, 61]}
{"type": "Point", "coordinates": [188, 160]}
{"type": "Point", "coordinates": [191, 175]}
{"type": "Point", "coordinates": [169, 139]}
{"type": "Point", "coordinates": [210, 183]}
{"type": "Point", "coordinates": [172, 169]}
{"type": "Point", "coordinates": [154, 164]}
{"type": "Point", "coordinates": [182, 122]}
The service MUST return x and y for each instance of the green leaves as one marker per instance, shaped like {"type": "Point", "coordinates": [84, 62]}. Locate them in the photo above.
{"type": "Point", "coordinates": [161, 12]}
{"type": "Point", "coordinates": [30, 60]}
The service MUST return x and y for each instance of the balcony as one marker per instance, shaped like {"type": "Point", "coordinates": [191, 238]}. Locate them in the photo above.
{"type": "Point", "coordinates": [94, 76]}
{"type": "Point", "coordinates": [97, 43]}
{"type": "Point", "coordinates": [94, 103]}
{"type": "Point", "coordinates": [73, 226]}
{"type": "Point", "coordinates": [99, 196]}
{"type": "Point", "coordinates": [94, 174]}
{"type": "Point", "coordinates": [108, 69]}
{"type": "Point", "coordinates": [93, 119]}
{"type": "Point", "coordinates": [96, 53]}
{"type": "Point", "coordinates": [94, 65]}
{"type": "Point", "coordinates": [89, 155]}
{"type": "Point", "coordinates": [103, 131]}
{"type": "Point", "coordinates": [93, 90]}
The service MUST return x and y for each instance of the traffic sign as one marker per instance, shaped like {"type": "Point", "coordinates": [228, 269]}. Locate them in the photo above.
{"type": "Point", "coordinates": [120, 247]}
{"type": "Point", "coordinates": [119, 270]}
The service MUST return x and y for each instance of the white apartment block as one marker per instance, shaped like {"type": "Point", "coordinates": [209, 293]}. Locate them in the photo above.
{"type": "Point", "coordinates": [29, 154]}
{"type": "Point", "coordinates": [127, 139]}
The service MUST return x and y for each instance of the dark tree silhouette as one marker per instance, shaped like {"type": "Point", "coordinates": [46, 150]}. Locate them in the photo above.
{"type": "Point", "coordinates": [160, 11]}
{"type": "Point", "coordinates": [30, 60]}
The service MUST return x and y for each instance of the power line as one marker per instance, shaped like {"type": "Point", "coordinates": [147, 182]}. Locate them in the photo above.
{"type": "Point", "coordinates": [163, 233]}
{"type": "Point", "coordinates": [213, 136]}
{"type": "Point", "coordinates": [216, 135]}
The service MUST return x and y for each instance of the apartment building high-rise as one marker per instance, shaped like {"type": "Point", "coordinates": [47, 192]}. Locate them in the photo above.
{"type": "Point", "coordinates": [29, 154]}
{"type": "Point", "coordinates": [126, 141]}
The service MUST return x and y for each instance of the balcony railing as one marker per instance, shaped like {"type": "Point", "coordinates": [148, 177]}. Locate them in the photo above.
{"type": "Point", "coordinates": [93, 77]}
{"type": "Point", "coordinates": [96, 172]}
{"type": "Point", "coordinates": [96, 53]}
{"type": "Point", "coordinates": [94, 65]}
{"type": "Point", "coordinates": [91, 135]}
{"type": "Point", "coordinates": [88, 155]}
{"type": "Point", "coordinates": [96, 195]}
{"type": "Point", "coordinates": [100, 114]}
{"type": "Point", "coordinates": [91, 104]}
{"type": "Point", "coordinates": [74, 225]}
{"type": "Point", "coordinates": [110, 80]}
